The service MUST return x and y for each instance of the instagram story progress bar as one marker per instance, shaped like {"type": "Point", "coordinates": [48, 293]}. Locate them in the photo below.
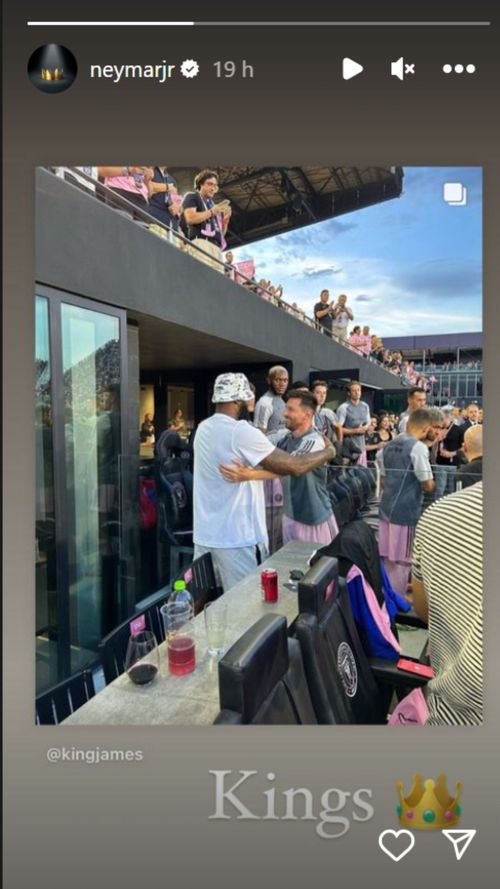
{"type": "Point", "coordinates": [146, 24]}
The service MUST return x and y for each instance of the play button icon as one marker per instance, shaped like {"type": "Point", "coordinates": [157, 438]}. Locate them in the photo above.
{"type": "Point", "coordinates": [350, 68]}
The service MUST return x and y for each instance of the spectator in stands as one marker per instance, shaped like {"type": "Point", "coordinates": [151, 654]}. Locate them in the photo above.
{"type": "Point", "coordinates": [406, 473]}
{"type": "Point", "coordinates": [372, 441]}
{"type": "Point", "coordinates": [276, 293]}
{"type": "Point", "coordinates": [229, 270]}
{"type": "Point", "coordinates": [323, 311]}
{"type": "Point", "coordinates": [356, 339]}
{"type": "Point", "coordinates": [446, 454]}
{"type": "Point", "coordinates": [385, 430]}
{"type": "Point", "coordinates": [299, 384]}
{"type": "Point", "coordinates": [472, 471]}
{"type": "Point", "coordinates": [378, 436]}
{"type": "Point", "coordinates": [393, 424]}
{"type": "Point", "coordinates": [377, 351]}
{"type": "Point", "coordinates": [416, 400]}
{"type": "Point", "coordinates": [307, 509]}
{"type": "Point", "coordinates": [270, 409]}
{"type": "Point", "coordinates": [262, 287]}
{"type": "Point", "coordinates": [354, 418]}
{"type": "Point", "coordinates": [207, 221]}
{"type": "Point", "coordinates": [447, 584]}
{"type": "Point", "coordinates": [341, 316]}
{"type": "Point", "coordinates": [229, 519]}
{"type": "Point", "coordinates": [325, 420]}
{"type": "Point", "coordinates": [471, 417]}
{"type": "Point", "coordinates": [161, 188]}
{"type": "Point", "coordinates": [250, 284]}
{"type": "Point", "coordinates": [130, 183]}
{"type": "Point", "coordinates": [366, 344]}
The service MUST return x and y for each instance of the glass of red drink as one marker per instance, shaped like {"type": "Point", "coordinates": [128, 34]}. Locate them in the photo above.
{"type": "Point", "coordinates": [179, 636]}
{"type": "Point", "coordinates": [142, 661]}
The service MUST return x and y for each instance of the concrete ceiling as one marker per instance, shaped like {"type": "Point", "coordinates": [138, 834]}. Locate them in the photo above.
{"type": "Point", "coordinates": [164, 345]}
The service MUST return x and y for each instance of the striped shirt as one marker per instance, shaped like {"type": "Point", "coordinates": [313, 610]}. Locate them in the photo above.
{"type": "Point", "coordinates": [448, 560]}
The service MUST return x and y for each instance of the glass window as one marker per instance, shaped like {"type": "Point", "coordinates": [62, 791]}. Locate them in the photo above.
{"type": "Point", "coordinates": [92, 436]}
{"type": "Point", "coordinates": [45, 535]}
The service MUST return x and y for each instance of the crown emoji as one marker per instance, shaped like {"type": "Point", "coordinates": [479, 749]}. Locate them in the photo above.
{"type": "Point", "coordinates": [429, 805]}
{"type": "Point", "coordinates": [52, 74]}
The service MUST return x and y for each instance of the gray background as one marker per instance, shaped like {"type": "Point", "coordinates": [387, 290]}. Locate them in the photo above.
{"type": "Point", "coordinates": [129, 825]}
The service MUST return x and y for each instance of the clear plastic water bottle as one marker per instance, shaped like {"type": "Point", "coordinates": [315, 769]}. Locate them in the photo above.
{"type": "Point", "coordinates": [182, 596]}
{"type": "Point", "coordinates": [177, 615]}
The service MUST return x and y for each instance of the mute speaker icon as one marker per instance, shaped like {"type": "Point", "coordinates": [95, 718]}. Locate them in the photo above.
{"type": "Point", "coordinates": [400, 68]}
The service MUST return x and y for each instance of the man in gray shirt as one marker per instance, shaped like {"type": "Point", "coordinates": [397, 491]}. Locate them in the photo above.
{"type": "Point", "coordinates": [325, 420]}
{"type": "Point", "coordinates": [269, 410]}
{"type": "Point", "coordinates": [270, 416]}
{"type": "Point", "coordinates": [307, 509]}
{"type": "Point", "coordinates": [354, 418]}
{"type": "Point", "coordinates": [406, 475]}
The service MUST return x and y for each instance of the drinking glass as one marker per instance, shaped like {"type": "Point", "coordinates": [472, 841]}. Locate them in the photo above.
{"type": "Point", "coordinates": [142, 662]}
{"type": "Point", "coordinates": [215, 625]}
{"type": "Point", "coordinates": [179, 635]}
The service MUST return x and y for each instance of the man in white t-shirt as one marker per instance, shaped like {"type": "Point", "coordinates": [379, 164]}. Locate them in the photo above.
{"type": "Point", "coordinates": [341, 317]}
{"type": "Point", "coordinates": [229, 520]}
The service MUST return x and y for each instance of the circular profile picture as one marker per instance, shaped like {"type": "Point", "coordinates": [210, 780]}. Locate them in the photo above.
{"type": "Point", "coordinates": [52, 68]}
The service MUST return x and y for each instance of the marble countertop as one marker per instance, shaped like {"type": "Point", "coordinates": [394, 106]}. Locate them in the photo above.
{"type": "Point", "coordinates": [194, 699]}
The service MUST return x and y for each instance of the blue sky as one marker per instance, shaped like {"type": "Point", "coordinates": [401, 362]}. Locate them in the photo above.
{"type": "Point", "coordinates": [412, 265]}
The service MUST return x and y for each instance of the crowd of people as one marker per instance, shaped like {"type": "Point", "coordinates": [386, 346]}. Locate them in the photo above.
{"type": "Point", "coordinates": [255, 462]}
{"type": "Point", "coordinates": [295, 419]}
{"type": "Point", "coordinates": [262, 467]}
{"type": "Point", "coordinates": [198, 223]}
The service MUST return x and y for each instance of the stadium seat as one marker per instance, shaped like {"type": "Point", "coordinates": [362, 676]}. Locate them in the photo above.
{"type": "Point", "coordinates": [346, 686]}
{"type": "Point", "coordinates": [175, 518]}
{"type": "Point", "coordinates": [63, 699]}
{"type": "Point", "coordinates": [201, 582]}
{"type": "Point", "coordinates": [262, 680]}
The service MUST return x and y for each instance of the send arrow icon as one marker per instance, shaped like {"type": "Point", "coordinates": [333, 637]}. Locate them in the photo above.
{"type": "Point", "coordinates": [350, 68]}
{"type": "Point", "coordinates": [461, 840]}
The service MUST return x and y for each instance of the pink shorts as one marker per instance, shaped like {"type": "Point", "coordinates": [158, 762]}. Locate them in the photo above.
{"type": "Point", "coordinates": [395, 542]}
{"type": "Point", "coordinates": [323, 533]}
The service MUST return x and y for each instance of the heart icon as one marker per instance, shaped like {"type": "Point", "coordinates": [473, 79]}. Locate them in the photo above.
{"type": "Point", "coordinates": [408, 844]}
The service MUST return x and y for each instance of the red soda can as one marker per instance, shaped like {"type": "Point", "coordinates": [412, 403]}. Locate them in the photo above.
{"type": "Point", "coordinates": [269, 581]}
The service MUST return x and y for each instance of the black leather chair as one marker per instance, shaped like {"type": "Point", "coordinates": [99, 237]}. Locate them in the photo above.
{"type": "Point", "coordinates": [175, 518]}
{"type": "Point", "coordinates": [203, 585]}
{"type": "Point", "coordinates": [341, 499]}
{"type": "Point", "coordinates": [346, 686]}
{"type": "Point", "coordinates": [366, 479]}
{"type": "Point", "coordinates": [63, 699]}
{"type": "Point", "coordinates": [262, 680]}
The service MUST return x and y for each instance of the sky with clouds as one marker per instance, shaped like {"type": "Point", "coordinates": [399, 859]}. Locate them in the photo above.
{"type": "Point", "coordinates": [412, 265]}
